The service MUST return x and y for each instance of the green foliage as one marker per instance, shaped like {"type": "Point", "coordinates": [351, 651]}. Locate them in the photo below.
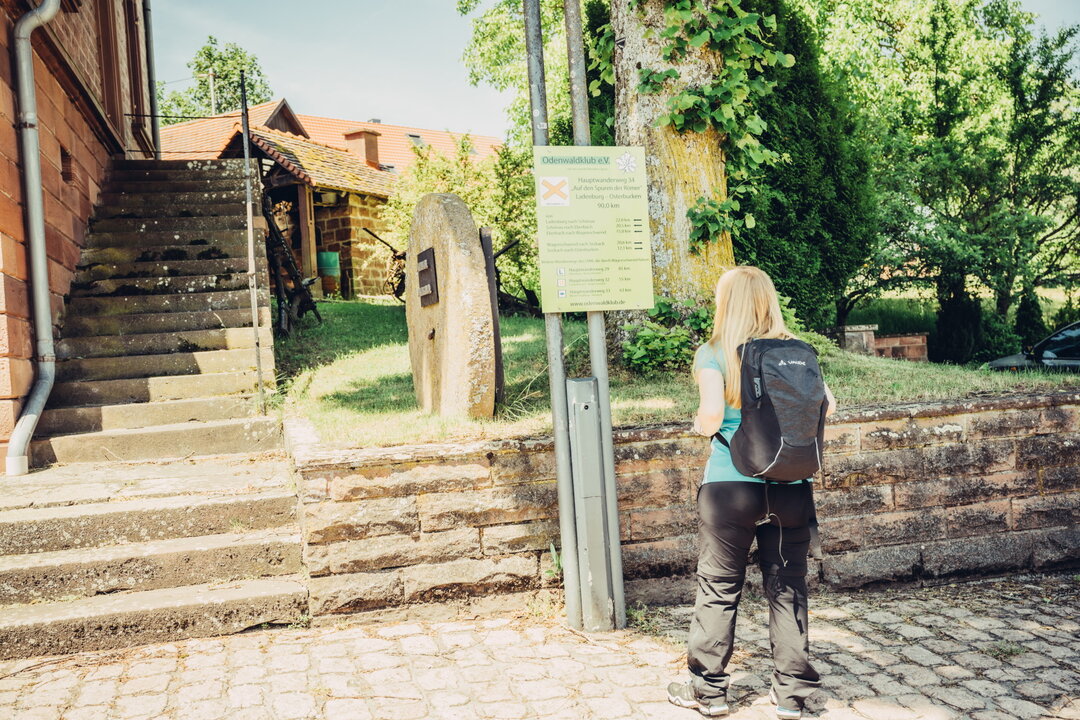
{"type": "Point", "coordinates": [496, 56]}
{"type": "Point", "coordinates": [226, 62]}
{"type": "Point", "coordinates": [972, 131]}
{"type": "Point", "coordinates": [1066, 314]}
{"type": "Point", "coordinates": [738, 44]}
{"type": "Point", "coordinates": [813, 211]}
{"type": "Point", "coordinates": [999, 338]}
{"type": "Point", "coordinates": [668, 339]}
{"type": "Point", "coordinates": [498, 191]}
{"type": "Point", "coordinates": [1030, 324]}
{"type": "Point", "coordinates": [896, 316]}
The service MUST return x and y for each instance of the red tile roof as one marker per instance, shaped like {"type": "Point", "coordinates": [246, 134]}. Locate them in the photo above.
{"type": "Point", "coordinates": [320, 165]}
{"type": "Point", "coordinates": [205, 139]}
{"type": "Point", "coordinates": [395, 145]}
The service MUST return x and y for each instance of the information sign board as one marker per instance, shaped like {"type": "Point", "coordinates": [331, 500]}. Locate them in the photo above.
{"type": "Point", "coordinates": [592, 213]}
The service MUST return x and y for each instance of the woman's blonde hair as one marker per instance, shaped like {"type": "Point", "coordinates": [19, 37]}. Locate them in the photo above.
{"type": "Point", "coordinates": [747, 307]}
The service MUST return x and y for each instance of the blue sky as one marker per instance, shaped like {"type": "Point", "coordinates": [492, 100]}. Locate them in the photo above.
{"type": "Point", "coordinates": [397, 60]}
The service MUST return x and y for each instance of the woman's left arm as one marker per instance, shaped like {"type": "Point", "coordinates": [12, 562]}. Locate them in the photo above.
{"type": "Point", "coordinates": [831, 400]}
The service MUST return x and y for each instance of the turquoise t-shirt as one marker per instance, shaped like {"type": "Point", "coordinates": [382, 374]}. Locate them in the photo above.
{"type": "Point", "coordinates": [720, 468]}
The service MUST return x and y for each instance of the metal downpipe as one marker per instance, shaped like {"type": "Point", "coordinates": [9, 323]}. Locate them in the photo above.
{"type": "Point", "coordinates": [17, 461]}
{"type": "Point", "coordinates": [151, 79]}
{"type": "Point", "coordinates": [534, 43]}
{"type": "Point", "coordinates": [598, 356]}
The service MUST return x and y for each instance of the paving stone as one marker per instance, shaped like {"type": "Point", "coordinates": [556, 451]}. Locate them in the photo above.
{"type": "Point", "coordinates": [957, 697]}
{"type": "Point", "coordinates": [1019, 708]}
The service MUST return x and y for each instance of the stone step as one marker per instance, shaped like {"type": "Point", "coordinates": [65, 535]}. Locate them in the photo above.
{"type": "Point", "coordinates": [206, 184]}
{"type": "Point", "coordinates": [85, 572]}
{"type": "Point", "coordinates": [164, 364]}
{"type": "Point", "coordinates": [188, 302]}
{"type": "Point", "coordinates": [191, 342]}
{"type": "Point", "coordinates": [235, 193]}
{"type": "Point", "coordinates": [168, 254]}
{"type": "Point", "coordinates": [172, 237]}
{"type": "Point", "coordinates": [236, 221]}
{"type": "Point", "coordinates": [176, 176]}
{"type": "Point", "coordinates": [161, 285]}
{"type": "Point", "coordinates": [114, 522]}
{"type": "Point", "coordinates": [165, 268]}
{"type": "Point", "coordinates": [218, 165]}
{"type": "Point", "coordinates": [95, 418]}
{"type": "Point", "coordinates": [166, 209]}
{"type": "Point", "coordinates": [120, 620]}
{"type": "Point", "coordinates": [182, 440]}
{"type": "Point", "coordinates": [133, 324]}
{"type": "Point", "coordinates": [88, 483]}
{"type": "Point", "coordinates": [152, 389]}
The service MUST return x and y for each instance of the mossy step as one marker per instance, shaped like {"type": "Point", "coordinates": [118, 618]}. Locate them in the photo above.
{"type": "Point", "coordinates": [161, 285]}
{"type": "Point", "coordinates": [166, 208]}
{"type": "Point", "coordinates": [166, 268]}
{"type": "Point", "coordinates": [174, 236]}
{"type": "Point", "coordinates": [237, 221]}
{"type": "Point", "coordinates": [90, 305]}
{"type": "Point", "coordinates": [139, 323]}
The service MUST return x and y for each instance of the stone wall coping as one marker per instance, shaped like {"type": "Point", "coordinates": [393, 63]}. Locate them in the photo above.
{"type": "Point", "coordinates": [310, 455]}
{"type": "Point", "coordinates": [901, 335]}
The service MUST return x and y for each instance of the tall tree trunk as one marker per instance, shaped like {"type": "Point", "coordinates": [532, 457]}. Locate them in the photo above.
{"type": "Point", "coordinates": [682, 167]}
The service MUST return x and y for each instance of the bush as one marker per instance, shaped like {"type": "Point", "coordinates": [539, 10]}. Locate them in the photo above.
{"type": "Point", "coordinates": [668, 340]}
{"type": "Point", "coordinates": [896, 316]}
{"type": "Point", "coordinates": [1030, 325]}
{"type": "Point", "coordinates": [1067, 314]}
{"type": "Point", "coordinates": [998, 339]}
{"type": "Point", "coordinates": [958, 332]}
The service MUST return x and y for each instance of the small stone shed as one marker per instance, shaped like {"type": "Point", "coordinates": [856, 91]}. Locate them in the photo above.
{"type": "Point", "coordinates": [334, 197]}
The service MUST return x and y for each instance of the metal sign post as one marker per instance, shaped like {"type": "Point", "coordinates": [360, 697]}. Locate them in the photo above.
{"type": "Point", "coordinates": [581, 408]}
{"type": "Point", "coordinates": [534, 43]}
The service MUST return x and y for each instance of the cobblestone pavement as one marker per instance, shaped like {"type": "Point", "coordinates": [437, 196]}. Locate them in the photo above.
{"type": "Point", "coordinates": [989, 650]}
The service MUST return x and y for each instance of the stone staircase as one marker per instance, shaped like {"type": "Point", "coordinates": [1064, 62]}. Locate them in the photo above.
{"type": "Point", "coordinates": [97, 557]}
{"type": "Point", "coordinates": [157, 352]}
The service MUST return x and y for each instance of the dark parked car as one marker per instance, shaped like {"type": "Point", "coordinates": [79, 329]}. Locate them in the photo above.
{"type": "Point", "coordinates": [1060, 351]}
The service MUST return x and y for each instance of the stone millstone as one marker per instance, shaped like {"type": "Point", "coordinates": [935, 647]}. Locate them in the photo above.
{"type": "Point", "coordinates": [451, 343]}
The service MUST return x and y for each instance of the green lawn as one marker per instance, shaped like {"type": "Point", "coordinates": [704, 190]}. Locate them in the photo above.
{"type": "Point", "coordinates": [351, 377]}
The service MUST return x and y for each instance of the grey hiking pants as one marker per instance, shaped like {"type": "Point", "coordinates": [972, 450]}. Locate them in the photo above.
{"type": "Point", "coordinates": [728, 513]}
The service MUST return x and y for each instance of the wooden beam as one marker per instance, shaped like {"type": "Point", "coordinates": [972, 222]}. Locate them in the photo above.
{"type": "Point", "coordinates": [308, 261]}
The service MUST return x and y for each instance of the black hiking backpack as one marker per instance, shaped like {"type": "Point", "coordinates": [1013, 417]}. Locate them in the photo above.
{"type": "Point", "coordinates": [783, 411]}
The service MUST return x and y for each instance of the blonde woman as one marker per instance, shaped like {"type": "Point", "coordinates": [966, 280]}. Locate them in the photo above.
{"type": "Point", "coordinates": [735, 509]}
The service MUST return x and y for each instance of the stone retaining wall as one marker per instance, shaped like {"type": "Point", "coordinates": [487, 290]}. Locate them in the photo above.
{"type": "Point", "coordinates": [901, 347]}
{"type": "Point", "coordinates": [909, 493]}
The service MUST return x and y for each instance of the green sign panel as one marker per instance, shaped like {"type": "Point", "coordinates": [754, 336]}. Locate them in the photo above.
{"type": "Point", "coordinates": [592, 209]}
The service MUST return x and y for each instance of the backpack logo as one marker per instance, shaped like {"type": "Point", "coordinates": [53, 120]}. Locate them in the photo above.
{"type": "Point", "coordinates": [782, 363]}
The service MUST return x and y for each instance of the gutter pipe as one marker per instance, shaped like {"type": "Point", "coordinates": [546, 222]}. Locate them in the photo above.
{"type": "Point", "coordinates": [17, 460]}
{"type": "Point", "coordinates": [151, 79]}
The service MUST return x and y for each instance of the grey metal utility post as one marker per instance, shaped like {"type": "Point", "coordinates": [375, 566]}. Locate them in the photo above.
{"type": "Point", "coordinates": [534, 43]}
{"type": "Point", "coordinates": [581, 408]}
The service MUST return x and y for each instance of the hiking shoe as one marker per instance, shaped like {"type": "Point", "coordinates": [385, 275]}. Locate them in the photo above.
{"type": "Point", "coordinates": [682, 694]}
{"type": "Point", "coordinates": [784, 713]}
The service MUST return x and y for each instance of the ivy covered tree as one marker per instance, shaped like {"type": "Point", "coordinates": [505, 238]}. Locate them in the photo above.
{"type": "Point", "coordinates": [226, 63]}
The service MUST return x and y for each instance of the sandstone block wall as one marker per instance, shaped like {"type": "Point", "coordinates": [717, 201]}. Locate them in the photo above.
{"type": "Point", "coordinates": [901, 347]}
{"type": "Point", "coordinates": [913, 492]}
{"type": "Point", "coordinates": [364, 260]}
